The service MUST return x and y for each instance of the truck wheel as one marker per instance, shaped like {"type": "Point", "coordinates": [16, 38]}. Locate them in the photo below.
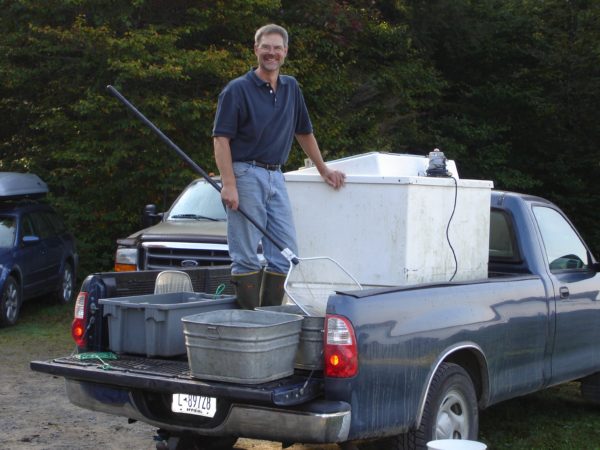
{"type": "Point", "coordinates": [590, 388]}
{"type": "Point", "coordinates": [450, 410]}
{"type": "Point", "coordinates": [197, 442]}
{"type": "Point", "coordinates": [66, 288]}
{"type": "Point", "coordinates": [10, 302]}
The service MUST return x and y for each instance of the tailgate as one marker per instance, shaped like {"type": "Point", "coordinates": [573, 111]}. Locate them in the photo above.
{"type": "Point", "coordinates": [173, 376]}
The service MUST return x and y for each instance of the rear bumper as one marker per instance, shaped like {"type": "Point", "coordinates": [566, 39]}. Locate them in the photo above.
{"type": "Point", "coordinates": [289, 409]}
{"type": "Point", "coordinates": [317, 421]}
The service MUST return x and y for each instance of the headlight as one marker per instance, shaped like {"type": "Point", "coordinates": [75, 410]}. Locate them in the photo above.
{"type": "Point", "coordinates": [126, 259]}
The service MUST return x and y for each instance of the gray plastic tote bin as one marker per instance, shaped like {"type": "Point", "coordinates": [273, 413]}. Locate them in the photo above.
{"type": "Point", "coordinates": [310, 350]}
{"type": "Point", "coordinates": [242, 346]}
{"type": "Point", "coordinates": [151, 324]}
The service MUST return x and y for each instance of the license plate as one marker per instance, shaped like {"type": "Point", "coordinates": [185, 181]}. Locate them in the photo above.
{"type": "Point", "coordinates": [194, 404]}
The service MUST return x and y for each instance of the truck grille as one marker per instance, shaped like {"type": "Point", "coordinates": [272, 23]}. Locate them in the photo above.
{"type": "Point", "coordinates": [163, 256]}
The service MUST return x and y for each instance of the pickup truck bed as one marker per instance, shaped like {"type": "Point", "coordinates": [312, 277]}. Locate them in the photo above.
{"type": "Point", "coordinates": [141, 388]}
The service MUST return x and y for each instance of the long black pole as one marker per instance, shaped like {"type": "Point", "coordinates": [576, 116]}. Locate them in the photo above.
{"type": "Point", "coordinates": [284, 250]}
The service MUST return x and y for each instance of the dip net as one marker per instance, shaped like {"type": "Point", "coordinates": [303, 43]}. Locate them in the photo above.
{"type": "Point", "coordinates": [310, 283]}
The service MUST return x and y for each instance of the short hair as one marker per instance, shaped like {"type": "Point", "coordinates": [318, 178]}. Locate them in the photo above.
{"type": "Point", "coordinates": [270, 29]}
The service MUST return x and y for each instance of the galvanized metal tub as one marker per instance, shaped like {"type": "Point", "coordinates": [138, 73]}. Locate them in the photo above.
{"type": "Point", "coordinates": [310, 350]}
{"type": "Point", "coordinates": [241, 346]}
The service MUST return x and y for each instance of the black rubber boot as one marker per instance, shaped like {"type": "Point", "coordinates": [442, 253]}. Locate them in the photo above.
{"type": "Point", "coordinates": [247, 289]}
{"type": "Point", "coordinates": [271, 290]}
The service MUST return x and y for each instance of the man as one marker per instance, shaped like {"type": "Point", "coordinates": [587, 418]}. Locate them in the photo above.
{"type": "Point", "coordinates": [257, 117]}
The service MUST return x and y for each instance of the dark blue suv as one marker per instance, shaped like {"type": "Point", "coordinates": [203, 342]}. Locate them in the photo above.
{"type": "Point", "coordinates": [38, 256]}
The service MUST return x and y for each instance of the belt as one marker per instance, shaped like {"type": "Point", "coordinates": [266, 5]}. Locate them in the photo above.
{"type": "Point", "coordinates": [265, 165]}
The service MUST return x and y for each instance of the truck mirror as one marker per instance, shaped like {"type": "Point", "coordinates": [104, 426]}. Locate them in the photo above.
{"type": "Point", "coordinates": [150, 217]}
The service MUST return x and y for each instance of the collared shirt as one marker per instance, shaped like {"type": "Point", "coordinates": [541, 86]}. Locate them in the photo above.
{"type": "Point", "coordinates": [261, 122]}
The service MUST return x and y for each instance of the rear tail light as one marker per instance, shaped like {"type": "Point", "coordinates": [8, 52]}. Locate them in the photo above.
{"type": "Point", "coordinates": [341, 355]}
{"type": "Point", "coordinates": [78, 325]}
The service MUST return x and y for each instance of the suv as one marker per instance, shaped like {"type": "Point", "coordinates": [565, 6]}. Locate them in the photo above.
{"type": "Point", "coordinates": [192, 233]}
{"type": "Point", "coordinates": [37, 253]}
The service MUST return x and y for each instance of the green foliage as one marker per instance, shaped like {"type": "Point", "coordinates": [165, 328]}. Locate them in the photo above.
{"type": "Point", "coordinates": [364, 81]}
{"type": "Point", "coordinates": [557, 418]}
{"type": "Point", "coordinates": [522, 78]}
{"type": "Point", "coordinates": [101, 163]}
{"type": "Point", "coordinates": [507, 88]}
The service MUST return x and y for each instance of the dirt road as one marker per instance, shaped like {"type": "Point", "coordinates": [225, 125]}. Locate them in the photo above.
{"type": "Point", "coordinates": [35, 413]}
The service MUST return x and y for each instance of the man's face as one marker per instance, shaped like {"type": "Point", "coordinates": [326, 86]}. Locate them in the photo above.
{"type": "Point", "coordinates": [270, 52]}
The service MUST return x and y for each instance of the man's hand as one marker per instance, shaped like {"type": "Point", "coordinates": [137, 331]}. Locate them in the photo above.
{"type": "Point", "coordinates": [334, 178]}
{"type": "Point", "coordinates": [229, 195]}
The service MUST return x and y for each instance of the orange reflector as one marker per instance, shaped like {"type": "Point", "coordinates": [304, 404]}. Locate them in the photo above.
{"type": "Point", "coordinates": [77, 331]}
{"type": "Point", "coordinates": [124, 267]}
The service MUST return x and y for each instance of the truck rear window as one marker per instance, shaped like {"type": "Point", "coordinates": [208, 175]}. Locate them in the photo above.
{"type": "Point", "coordinates": [502, 240]}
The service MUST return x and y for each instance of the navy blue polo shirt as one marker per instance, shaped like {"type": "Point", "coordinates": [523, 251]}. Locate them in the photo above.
{"type": "Point", "coordinates": [260, 122]}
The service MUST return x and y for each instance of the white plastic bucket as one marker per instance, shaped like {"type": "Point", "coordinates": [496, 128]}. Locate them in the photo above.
{"type": "Point", "coordinates": [455, 444]}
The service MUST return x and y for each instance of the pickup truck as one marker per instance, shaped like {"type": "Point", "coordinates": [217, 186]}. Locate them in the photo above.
{"type": "Point", "coordinates": [193, 232]}
{"type": "Point", "coordinates": [401, 365]}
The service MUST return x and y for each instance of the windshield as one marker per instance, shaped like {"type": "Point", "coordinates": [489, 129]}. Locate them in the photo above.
{"type": "Point", "coordinates": [7, 231]}
{"type": "Point", "coordinates": [199, 201]}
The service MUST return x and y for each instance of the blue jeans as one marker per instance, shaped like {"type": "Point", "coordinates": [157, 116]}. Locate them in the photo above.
{"type": "Point", "coordinates": [263, 196]}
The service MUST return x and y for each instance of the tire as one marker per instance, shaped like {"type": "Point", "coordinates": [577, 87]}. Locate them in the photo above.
{"type": "Point", "coordinates": [450, 412]}
{"type": "Point", "coordinates": [66, 288]}
{"type": "Point", "coordinates": [590, 388]}
{"type": "Point", "coordinates": [197, 442]}
{"type": "Point", "coordinates": [10, 302]}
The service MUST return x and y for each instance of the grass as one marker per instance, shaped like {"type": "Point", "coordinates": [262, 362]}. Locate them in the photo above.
{"type": "Point", "coordinates": [554, 419]}
{"type": "Point", "coordinates": [557, 418]}
{"type": "Point", "coordinates": [43, 326]}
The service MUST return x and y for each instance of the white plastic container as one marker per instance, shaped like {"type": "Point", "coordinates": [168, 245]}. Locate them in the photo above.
{"type": "Point", "coordinates": [455, 444]}
{"type": "Point", "coordinates": [388, 225]}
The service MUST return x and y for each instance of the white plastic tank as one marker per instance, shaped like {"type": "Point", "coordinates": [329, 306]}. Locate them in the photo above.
{"type": "Point", "coordinates": [389, 224]}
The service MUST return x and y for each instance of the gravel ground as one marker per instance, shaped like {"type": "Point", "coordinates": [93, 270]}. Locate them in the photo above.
{"type": "Point", "coordinates": [35, 413]}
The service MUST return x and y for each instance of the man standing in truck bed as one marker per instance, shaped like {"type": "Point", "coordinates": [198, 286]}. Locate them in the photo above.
{"type": "Point", "coordinates": [258, 115]}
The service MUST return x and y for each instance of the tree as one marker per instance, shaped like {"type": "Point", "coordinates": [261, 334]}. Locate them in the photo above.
{"type": "Point", "coordinates": [170, 58]}
{"type": "Point", "coordinates": [522, 79]}
{"type": "Point", "coordinates": [506, 88]}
